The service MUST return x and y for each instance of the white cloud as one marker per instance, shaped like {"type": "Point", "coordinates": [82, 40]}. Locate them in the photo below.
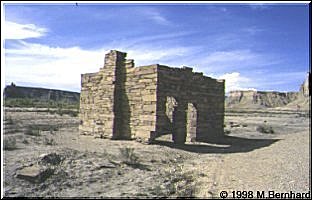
{"type": "Point", "coordinates": [61, 68]}
{"type": "Point", "coordinates": [259, 6]}
{"type": "Point", "coordinates": [234, 81]}
{"type": "Point", "coordinates": [221, 58]}
{"type": "Point", "coordinates": [155, 15]}
{"type": "Point", "coordinates": [53, 67]}
{"type": "Point", "coordinates": [22, 31]}
{"type": "Point", "coordinates": [159, 19]}
{"type": "Point", "coordinates": [236, 60]}
{"type": "Point", "coordinates": [253, 30]}
{"type": "Point", "coordinates": [224, 9]}
{"type": "Point", "coordinates": [157, 38]}
{"type": "Point", "coordinates": [144, 56]}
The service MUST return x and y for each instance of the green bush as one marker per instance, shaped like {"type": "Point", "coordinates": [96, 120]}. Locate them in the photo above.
{"type": "Point", "coordinates": [38, 103]}
{"type": "Point", "coordinates": [18, 102]}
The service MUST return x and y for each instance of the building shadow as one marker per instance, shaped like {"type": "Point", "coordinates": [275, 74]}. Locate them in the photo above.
{"type": "Point", "coordinates": [226, 144]}
{"type": "Point", "coordinates": [122, 113]}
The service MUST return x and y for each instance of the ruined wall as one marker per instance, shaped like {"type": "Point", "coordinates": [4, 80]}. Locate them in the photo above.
{"type": "Point", "coordinates": [97, 98]}
{"type": "Point", "coordinates": [123, 102]}
{"type": "Point", "coordinates": [119, 101]}
{"type": "Point", "coordinates": [141, 88]}
{"type": "Point", "coordinates": [197, 110]}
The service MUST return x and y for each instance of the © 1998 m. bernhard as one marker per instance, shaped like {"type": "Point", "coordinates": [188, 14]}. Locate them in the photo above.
{"type": "Point", "coordinates": [265, 194]}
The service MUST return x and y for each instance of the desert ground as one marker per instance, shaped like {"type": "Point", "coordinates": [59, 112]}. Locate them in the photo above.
{"type": "Point", "coordinates": [74, 165]}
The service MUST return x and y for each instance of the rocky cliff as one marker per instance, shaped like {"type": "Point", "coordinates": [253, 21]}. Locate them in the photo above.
{"type": "Point", "coordinates": [304, 88]}
{"type": "Point", "coordinates": [259, 99]}
{"type": "Point", "coordinates": [303, 99]}
{"type": "Point", "coordinates": [40, 95]}
{"type": "Point", "coordinates": [264, 99]}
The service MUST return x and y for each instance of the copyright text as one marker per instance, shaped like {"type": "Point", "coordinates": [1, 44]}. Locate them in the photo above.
{"type": "Point", "coordinates": [264, 195]}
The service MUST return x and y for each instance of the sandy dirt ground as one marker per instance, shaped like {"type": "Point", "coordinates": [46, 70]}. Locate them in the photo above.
{"type": "Point", "coordinates": [244, 160]}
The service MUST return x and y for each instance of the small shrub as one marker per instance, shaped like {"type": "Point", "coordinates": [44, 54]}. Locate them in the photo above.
{"type": "Point", "coordinates": [9, 143]}
{"type": "Point", "coordinates": [49, 141]}
{"type": "Point", "coordinates": [181, 184]}
{"type": "Point", "coordinates": [50, 128]}
{"type": "Point", "coordinates": [25, 141]}
{"type": "Point", "coordinates": [9, 121]}
{"type": "Point", "coordinates": [18, 102]}
{"type": "Point", "coordinates": [72, 113]}
{"type": "Point", "coordinates": [158, 191]}
{"type": "Point", "coordinates": [32, 131]}
{"type": "Point", "coordinates": [44, 127]}
{"type": "Point", "coordinates": [265, 129]}
{"type": "Point", "coordinates": [128, 156]}
{"type": "Point", "coordinates": [60, 112]}
{"type": "Point", "coordinates": [51, 111]}
{"type": "Point", "coordinates": [226, 132]}
{"type": "Point", "coordinates": [51, 158]}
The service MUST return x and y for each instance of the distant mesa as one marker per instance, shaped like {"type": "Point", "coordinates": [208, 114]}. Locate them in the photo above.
{"type": "Point", "coordinates": [265, 99]}
{"type": "Point", "coordinates": [259, 99]}
{"type": "Point", "coordinates": [40, 94]}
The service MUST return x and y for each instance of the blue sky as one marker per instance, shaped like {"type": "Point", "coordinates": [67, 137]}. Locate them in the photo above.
{"type": "Point", "coordinates": [251, 46]}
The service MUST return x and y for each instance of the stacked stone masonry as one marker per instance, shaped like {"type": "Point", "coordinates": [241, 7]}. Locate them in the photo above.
{"type": "Point", "coordinates": [126, 102]}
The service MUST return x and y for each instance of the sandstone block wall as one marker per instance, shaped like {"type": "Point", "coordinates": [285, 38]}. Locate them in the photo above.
{"type": "Point", "coordinates": [198, 112]}
{"type": "Point", "coordinates": [123, 102]}
{"type": "Point", "coordinates": [141, 88]}
{"type": "Point", "coordinates": [119, 101]}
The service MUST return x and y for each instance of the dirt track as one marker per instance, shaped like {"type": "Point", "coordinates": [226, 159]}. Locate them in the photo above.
{"type": "Point", "coordinates": [280, 167]}
{"type": "Point", "coordinates": [93, 167]}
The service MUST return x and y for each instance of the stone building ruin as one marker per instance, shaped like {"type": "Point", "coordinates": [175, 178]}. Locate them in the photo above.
{"type": "Point", "coordinates": [122, 101]}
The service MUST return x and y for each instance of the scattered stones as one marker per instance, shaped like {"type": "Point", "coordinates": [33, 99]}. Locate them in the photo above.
{"type": "Point", "coordinates": [35, 173]}
{"type": "Point", "coordinates": [233, 124]}
{"type": "Point", "coordinates": [106, 164]}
